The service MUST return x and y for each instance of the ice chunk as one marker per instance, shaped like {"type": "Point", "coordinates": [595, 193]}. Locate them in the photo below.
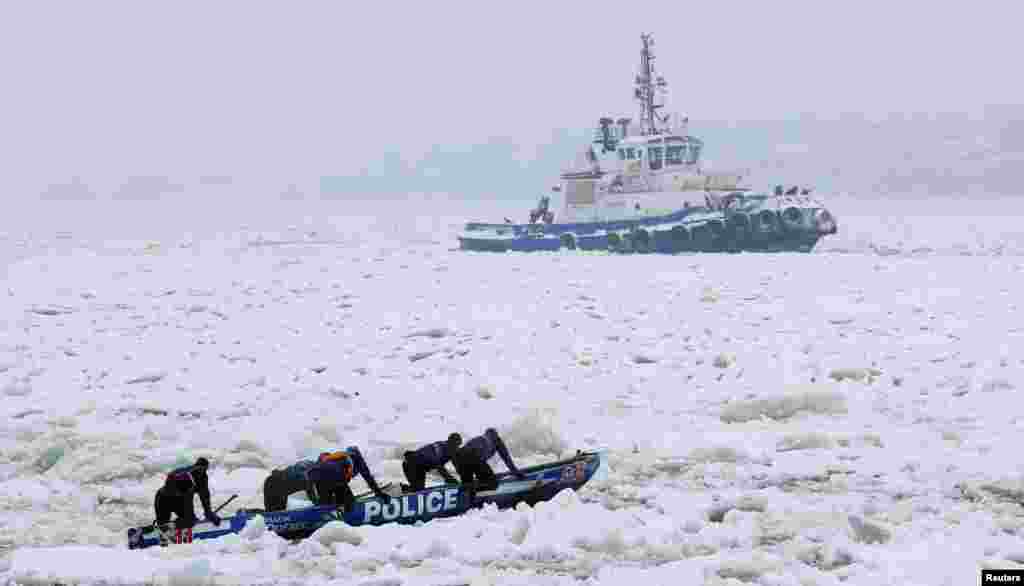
{"type": "Point", "coordinates": [49, 457]}
{"type": "Point", "coordinates": [723, 361]}
{"type": "Point", "coordinates": [86, 564]}
{"type": "Point", "coordinates": [533, 433]}
{"type": "Point", "coordinates": [867, 532]}
{"type": "Point", "coordinates": [805, 441]}
{"type": "Point", "coordinates": [432, 333]}
{"type": "Point", "coordinates": [785, 407]}
{"type": "Point", "coordinates": [195, 573]}
{"type": "Point", "coordinates": [335, 532]}
{"type": "Point", "coordinates": [254, 528]}
{"type": "Point", "coordinates": [719, 454]}
{"type": "Point", "coordinates": [385, 578]}
{"type": "Point", "coordinates": [18, 387]}
{"type": "Point", "coordinates": [857, 374]}
{"type": "Point", "coordinates": [150, 377]}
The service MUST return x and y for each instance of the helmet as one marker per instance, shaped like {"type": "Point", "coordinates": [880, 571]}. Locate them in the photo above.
{"type": "Point", "coordinates": [203, 462]}
{"type": "Point", "coordinates": [454, 441]}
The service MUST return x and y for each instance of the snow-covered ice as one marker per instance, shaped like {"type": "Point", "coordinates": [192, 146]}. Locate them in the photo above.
{"type": "Point", "coordinates": [847, 416]}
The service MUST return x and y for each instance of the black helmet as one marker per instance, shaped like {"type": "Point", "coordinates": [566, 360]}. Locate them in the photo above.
{"type": "Point", "coordinates": [203, 462]}
{"type": "Point", "coordinates": [455, 440]}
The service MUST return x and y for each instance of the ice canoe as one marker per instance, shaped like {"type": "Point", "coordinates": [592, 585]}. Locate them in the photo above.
{"type": "Point", "coordinates": [542, 483]}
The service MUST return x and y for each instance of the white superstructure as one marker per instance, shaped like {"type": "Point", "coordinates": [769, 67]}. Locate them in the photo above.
{"type": "Point", "coordinates": [640, 168]}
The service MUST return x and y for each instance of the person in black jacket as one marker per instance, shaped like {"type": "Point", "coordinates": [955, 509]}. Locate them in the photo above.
{"type": "Point", "coordinates": [432, 456]}
{"type": "Point", "coordinates": [178, 493]}
{"type": "Point", "coordinates": [330, 476]}
{"type": "Point", "coordinates": [471, 461]}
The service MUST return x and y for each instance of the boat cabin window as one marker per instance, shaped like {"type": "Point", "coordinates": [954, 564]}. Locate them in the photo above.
{"type": "Point", "coordinates": [631, 154]}
{"type": "Point", "coordinates": [674, 155]}
{"type": "Point", "coordinates": [654, 156]}
{"type": "Point", "coordinates": [694, 153]}
{"type": "Point", "coordinates": [622, 154]}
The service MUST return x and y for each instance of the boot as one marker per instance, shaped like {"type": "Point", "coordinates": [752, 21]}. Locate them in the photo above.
{"type": "Point", "coordinates": [163, 532]}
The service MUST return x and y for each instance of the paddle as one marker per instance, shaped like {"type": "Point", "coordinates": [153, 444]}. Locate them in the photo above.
{"type": "Point", "coordinates": [233, 497]}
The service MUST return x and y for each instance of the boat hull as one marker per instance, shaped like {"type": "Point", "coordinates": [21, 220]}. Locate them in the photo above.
{"type": "Point", "coordinates": [700, 230]}
{"type": "Point", "coordinates": [542, 483]}
{"type": "Point", "coordinates": [662, 245]}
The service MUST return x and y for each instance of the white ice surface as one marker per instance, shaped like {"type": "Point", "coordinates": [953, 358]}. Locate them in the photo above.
{"type": "Point", "coordinates": [849, 416]}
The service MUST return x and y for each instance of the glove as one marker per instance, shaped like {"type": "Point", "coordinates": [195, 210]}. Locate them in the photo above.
{"type": "Point", "coordinates": [213, 518]}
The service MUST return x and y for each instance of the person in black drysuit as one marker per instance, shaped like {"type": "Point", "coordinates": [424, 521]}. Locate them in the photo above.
{"type": "Point", "coordinates": [329, 479]}
{"type": "Point", "coordinates": [286, 481]}
{"type": "Point", "coordinates": [471, 461]}
{"type": "Point", "coordinates": [432, 456]}
{"type": "Point", "coordinates": [178, 493]}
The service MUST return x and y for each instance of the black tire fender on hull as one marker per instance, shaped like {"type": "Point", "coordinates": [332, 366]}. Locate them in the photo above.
{"type": "Point", "coordinates": [641, 240]}
{"type": "Point", "coordinates": [614, 242]}
{"type": "Point", "coordinates": [739, 226]}
{"type": "Point", "coordinates": [737, 231]}
{"type": "Point", "coordinates": [792, 219]}
{"type": "Point", "coordinates": [703, 238]}
{"type": "Point", "coordinates": [766, 224]}
{"type": "Point", "coordinates": [717, 229]}
{"type": "Point", "coordinates": [680, 236]}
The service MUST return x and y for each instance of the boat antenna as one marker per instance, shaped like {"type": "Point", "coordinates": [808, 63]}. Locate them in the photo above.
{"type": "Point", "coordinates": [648, 83]}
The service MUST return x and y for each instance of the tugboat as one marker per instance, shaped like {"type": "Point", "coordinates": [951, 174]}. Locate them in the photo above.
{"type": "Point", "coordinates": [643, 190]}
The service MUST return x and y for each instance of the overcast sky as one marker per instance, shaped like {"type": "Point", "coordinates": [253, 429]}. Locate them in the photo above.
{"type": "Point", "coordinates": [222, 86]}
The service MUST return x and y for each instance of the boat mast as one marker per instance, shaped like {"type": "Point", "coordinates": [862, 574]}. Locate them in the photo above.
{"type": "Point", "coordinates": [648, 83]}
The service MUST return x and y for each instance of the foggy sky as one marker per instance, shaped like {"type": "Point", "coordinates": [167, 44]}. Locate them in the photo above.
{"type": "Point", "coordinates": [125, 88]}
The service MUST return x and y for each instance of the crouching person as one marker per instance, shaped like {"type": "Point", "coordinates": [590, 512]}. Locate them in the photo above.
{"type": "Point", "coordinates": [329, 478]}
{"type": "Point", "coordinates": [471, 461]}
{"type": "Point", "coordinates": [285, 482]}
{"type": "Point", "coordinates": [177, 496]}
{"type": "Point", "coordinates": [432, 456]}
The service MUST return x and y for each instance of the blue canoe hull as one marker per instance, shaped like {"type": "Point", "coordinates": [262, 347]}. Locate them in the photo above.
{"type": "Point", "coordinates": [541, 483]}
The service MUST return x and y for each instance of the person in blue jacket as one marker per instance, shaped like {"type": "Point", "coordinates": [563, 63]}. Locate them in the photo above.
{"type": "Point", "coordinates": [432, 456]}
{"type": "Point", "coordinates": [471, 461]}
{"type": "Point", "coordinates": [287, 481]}
{"type": "Point", "coordinates": [330, 476]}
